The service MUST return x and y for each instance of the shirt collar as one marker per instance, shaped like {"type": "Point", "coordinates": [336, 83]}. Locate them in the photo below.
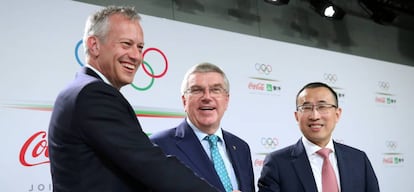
{"type": "Point", "coordinates": [311, 148]}
{"type": "Point", "coordinates": [201, 135]}
{"type": "Point", "coordinates": [99, 73]}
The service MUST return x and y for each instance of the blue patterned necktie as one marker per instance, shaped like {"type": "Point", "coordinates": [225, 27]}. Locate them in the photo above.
{"type": "Point", "coordinates": [218, 163]}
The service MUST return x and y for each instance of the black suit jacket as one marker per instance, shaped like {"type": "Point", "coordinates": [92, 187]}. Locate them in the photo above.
{"type": "Point", "coordinates": [289, 170]}
{"type": "Point", "coordinates": [96, 144]}
{"type": "Point", "coordinates": [182, 142]}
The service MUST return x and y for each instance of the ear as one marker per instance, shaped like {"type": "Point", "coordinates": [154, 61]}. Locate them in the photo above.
{"type": "Point", "coordinates": [184, 100]}
{"type": "Point", "coordinates": [227, 98]}
{"type": "Point", "coordinates": [92, 43]}
{"type": "Point", "coordinates": [296, 116]}
{"type": "Point", "coordinates": [338, 114]}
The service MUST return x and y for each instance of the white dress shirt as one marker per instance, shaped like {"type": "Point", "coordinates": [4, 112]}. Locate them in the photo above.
{"type": "Point", "coordinates": [316, 161]}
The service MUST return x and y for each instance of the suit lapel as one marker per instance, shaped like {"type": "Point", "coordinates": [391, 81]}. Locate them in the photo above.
{"type": "Point", "coordinates": [88, 71]}
{"type": "Point", "coordinates": [344, 173]}
{"type": "Point", "coordinates": [234, 155]}
{"type": "Point", "coordinates": [189, 145]}
{"type": "Point", "coordinates": [302, 167]}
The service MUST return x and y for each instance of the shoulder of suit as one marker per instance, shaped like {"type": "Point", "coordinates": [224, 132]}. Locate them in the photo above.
{"type": "Point", "coordinates": [344, 147]}
{"type": "Point", "coordinates": [227, 135]}
{"type": "Point", "coordinates": [162, 133]}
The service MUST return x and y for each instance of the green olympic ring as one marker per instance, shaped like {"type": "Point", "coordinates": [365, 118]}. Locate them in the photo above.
{"type": "Point", "coordinates": [151, 83]}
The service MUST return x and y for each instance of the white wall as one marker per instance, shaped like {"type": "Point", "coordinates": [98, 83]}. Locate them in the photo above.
{"type": "Point", "coordinates": [39, 40]}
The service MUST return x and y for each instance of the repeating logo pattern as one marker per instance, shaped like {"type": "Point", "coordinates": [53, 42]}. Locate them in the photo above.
{"type": "Point", "coordinates": [269, 142]}
{"type": "Point", "coordinates": [263, 68]}
{"type": "Point", "coordinates": [383, 95]}
{"type": "Point", "coordinates": [383, 85]}
{"type": "Point", "coordinates": [332, 79]}
{"type": "Point", "coordinates": [392, 157]}
{"type": "Point", "coordinates": [260, 83]}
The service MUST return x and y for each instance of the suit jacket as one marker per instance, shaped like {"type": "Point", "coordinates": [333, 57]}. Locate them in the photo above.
{"type": "Point", "coordinates": [182, 142]}
{"type": "Point", "coordinates": [289, 170]}
{"type": "Point", "coordinates": [96, 144]}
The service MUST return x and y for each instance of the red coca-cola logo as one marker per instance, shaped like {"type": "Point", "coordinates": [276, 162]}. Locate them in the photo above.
{"type": "Point", "coordinates": [256, 86]}
{"type": "Point", "coordinates": [35, 150]}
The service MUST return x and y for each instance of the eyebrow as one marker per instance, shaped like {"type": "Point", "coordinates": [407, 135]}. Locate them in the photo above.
{"type": "Point", "coordinates": [319, 102]}
{"type": "Point", "coordinates": [214, 85]}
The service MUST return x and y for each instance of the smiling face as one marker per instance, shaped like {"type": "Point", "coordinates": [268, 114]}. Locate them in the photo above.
{"type": "Point", "coordinates": [206, 109]}
{"type": "Point", "coordinates": [119, 54]}
{"type": "Point", "coordinates": [317, 127]}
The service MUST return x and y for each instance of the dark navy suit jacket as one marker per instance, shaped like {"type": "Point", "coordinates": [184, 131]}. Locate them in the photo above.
{"type": "Point", "coordinates": [289, 170]}
{"type": "Point", "coordinates": [96, 144]}
{"type": "Point", "coordinates": [182, 142]}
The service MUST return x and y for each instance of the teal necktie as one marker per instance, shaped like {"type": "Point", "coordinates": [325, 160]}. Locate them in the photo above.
{"type": "Point", "coordinates": [218, 163]}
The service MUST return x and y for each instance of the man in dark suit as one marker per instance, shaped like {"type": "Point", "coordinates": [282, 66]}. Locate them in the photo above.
{"type": "Point", "coordinates": [299, 167]}
{"type": "Point", "coordinates": [205, 96]}
{"type": "Point", "coordinates": [95, 140]}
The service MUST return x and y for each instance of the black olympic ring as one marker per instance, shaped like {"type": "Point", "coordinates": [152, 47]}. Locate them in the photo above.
{"type": "Point", "coordinates": [263, 68]}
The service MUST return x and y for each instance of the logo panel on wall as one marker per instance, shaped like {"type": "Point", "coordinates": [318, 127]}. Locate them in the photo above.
{"type": "Point", "coordinates": [267, 144]}
{"type": "Point", "coordinates": [262, 82]}
{"type": "Point", "coordinates": [383, 95]}
{"type": "Point", "coordinates": [332, 79]}
{"type": "Point", "coordinates": [35, 150]}
{"type": "Point", "coordinates": [392, 157]}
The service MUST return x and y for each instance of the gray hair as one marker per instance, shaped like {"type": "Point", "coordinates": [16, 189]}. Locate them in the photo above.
{"type": "Point", "coordinates": [98, 23]}
{"type": "Point", "coordinates": [204, 68]}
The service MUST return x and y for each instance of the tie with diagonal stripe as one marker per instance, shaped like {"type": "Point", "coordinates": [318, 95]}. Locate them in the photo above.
{"type": "Point", "coordinates": [218, 163]}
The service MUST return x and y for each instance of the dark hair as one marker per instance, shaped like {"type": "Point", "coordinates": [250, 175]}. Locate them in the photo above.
{"type": "Point", "coordinates": [316, 85]}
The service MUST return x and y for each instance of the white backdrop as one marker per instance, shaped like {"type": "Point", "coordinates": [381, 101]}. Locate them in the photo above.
{"type": "Point", "coordinates": [39, 57]}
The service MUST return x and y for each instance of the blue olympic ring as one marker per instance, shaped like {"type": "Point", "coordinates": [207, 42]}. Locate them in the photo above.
{"type": "Point", "coordinates": [76, 53]}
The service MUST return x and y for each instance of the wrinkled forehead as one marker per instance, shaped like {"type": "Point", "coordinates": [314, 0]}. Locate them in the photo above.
{"type": "Point", "coordinates": [206, 79]}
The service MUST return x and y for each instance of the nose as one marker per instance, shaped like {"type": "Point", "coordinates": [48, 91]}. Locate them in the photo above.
{"type": "Point", "coordinates": [314, 114]}
{"type": "Point", "coordinates": [206, 94]}
{"type": "Point", "coordinates": [135, 54]}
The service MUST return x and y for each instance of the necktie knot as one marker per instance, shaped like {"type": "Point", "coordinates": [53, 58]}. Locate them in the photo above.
{"type": "Point", "coordinates": [212, 140]}
{"type": "Point", "coordinates": [324, 152]}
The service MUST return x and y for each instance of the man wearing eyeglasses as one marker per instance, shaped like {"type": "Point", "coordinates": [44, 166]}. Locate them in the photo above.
{"type": "Point", "coordinates": [205, 96]}
{"type": "Point", "coordinates": [302, 166]}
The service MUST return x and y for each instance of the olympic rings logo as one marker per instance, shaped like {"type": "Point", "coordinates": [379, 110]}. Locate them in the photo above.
{"type": "Point", "coordinates": [269, 143]}
{"type": "Point", "coordinates": [151, 73]}
{"type": "Point", "coordinates": [392, 145]}
{"type": "Point", "coordinates": [383, 85]}
{"type": "Point", "coordinates": [331, 78]}
{"type": "Point", "coordinates": [263, 68]}
{"type": "Point", "coordinates": [148, 70]}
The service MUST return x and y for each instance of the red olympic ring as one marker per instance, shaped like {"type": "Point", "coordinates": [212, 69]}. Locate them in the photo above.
{"type": "Point", "coordinates": [165, 59]}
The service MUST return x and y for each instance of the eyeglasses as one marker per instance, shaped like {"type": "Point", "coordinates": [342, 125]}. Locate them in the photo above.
{"type": "Point", "coordinates": [321, 108]}
{"type": "Point", "coordinates": [199, 91]}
